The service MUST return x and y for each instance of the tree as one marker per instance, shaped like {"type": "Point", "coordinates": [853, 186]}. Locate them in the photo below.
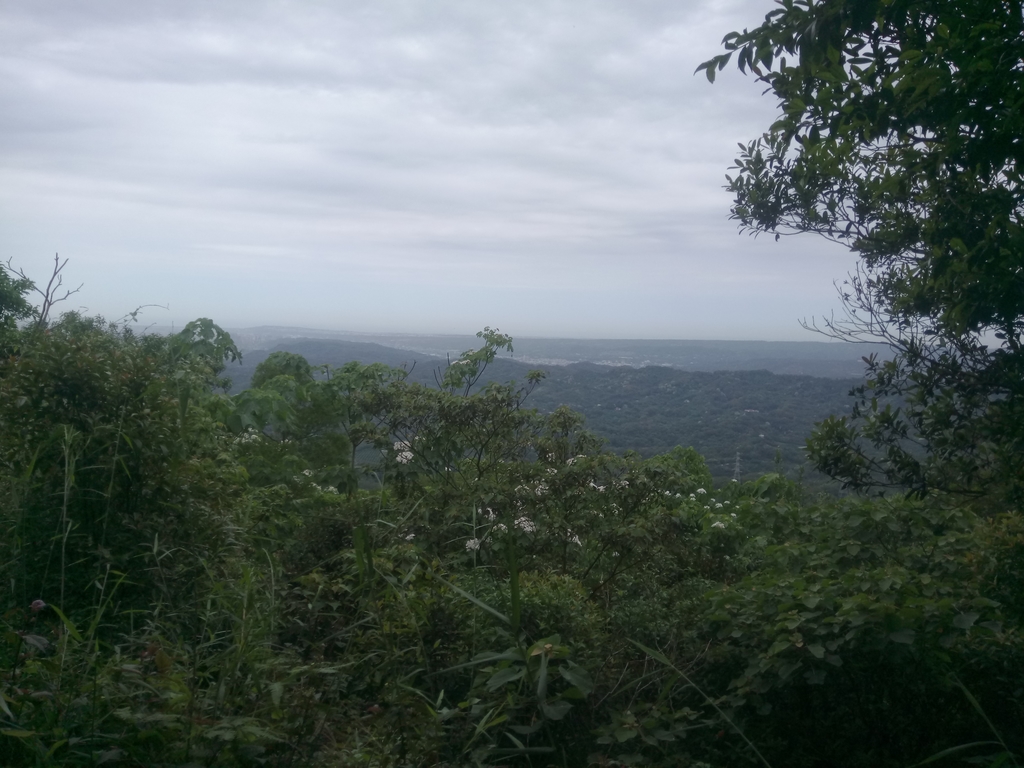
{"type": "Point", "coordinates": [900, 137]}
{"type": "Point", "coordinates": [13, 306]}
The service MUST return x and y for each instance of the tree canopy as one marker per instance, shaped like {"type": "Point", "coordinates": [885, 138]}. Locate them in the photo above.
{"type": "Point", "coordinates": [900, 135]}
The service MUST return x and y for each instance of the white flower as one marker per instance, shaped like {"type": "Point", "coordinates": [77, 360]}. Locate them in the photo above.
{"type": "Point", "coordinates": [719, 524]}
{"type": "Point", "coordinates": [701, 491]}
{"type": "Point", "coordinates": [472, 544]}
{"type": "Point", "coordinates": [488, 513]}
{"type": "Point", "coordinates": [692, 497]}
{"type": "Point", "coordinates": [500, 528]}
{"type": "Point", "coordinates": [410, 537]}
{"type": "Point", "coordinates": [726, 503]}
{"type": "Point", "coordinates": [403, 452]}
{"type": "Point", "coordinates": [733, 514]}
{"type": "Point", "coordinates": [307, 472]}
{"type": "Point", "coordinates": [552, 471]}
{"type": "Point", "coordinates": [541, 489]}
{"type": "Point", "coordinates": [718, 506]}
{"type": "Point", "coordinates": [526, 524]}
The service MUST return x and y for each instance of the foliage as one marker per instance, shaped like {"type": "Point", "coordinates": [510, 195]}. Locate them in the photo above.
{"type": "Point", "coordinates": [106, 449]}
{"type": "Point", "coordinates": [198, 580]}
{"type": "Point", "coordinates": [898, 137]}
{"type": "Point", "coordinates": [762, 417]}
{"type": "Point", "coordinates": [13, 306]}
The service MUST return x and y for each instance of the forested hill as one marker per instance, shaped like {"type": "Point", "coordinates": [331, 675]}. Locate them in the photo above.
{"type": "Point", "coordinates": [806, 358]}
{"type": "Point", "coordinates": [757, 416]}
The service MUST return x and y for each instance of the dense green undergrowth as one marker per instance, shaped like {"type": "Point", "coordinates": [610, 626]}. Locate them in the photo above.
{"type": "Point", "coordinates": [197, 579]}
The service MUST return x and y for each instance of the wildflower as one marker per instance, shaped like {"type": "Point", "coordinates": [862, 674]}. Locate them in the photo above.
{"type": "Point", "coordinates": [488, 513]}
{"type": "Point", "coordinates": [552, 471]}
{"type": "Point", "coordinates": [526, 525]}
{"type": "Point", "coordinates": [307, 472]}
{"type": "Point", "coordinates": [718, 506]}
{"type": "Point", "coordinates": [719, 524]}
{"type": "Point", "coordinates": [410, 537]}
{"type": "Point", "coordinates": [692, 497]}
{"type": "Point", "coordinates": [701, 491]}
{"type": "Point", "coordinates": [403, 452]}
{"type": "Point", "coordinates": [500, 528]}
{"type": "Point", "coordinates": [37, 606]}
{"type": "Point", "coordinates": [472, 545]}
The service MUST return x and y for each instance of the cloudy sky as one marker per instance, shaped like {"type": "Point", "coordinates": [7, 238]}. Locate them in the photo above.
{"type": "Point", "coordinates": [552, 168]}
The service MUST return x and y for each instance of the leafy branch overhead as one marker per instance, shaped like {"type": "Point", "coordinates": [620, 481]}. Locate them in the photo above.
{"type": "Point", "coordinates": [899, 136]}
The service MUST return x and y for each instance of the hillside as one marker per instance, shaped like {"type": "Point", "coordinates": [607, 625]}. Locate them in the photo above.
{"type": "Point", "coordinates": [804, 358]}
{"type": "Point", "coordinates": [760, 417]}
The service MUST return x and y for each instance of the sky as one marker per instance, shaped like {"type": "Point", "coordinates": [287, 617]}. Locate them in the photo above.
{"type": "Point", "coordinates": [550, 168]}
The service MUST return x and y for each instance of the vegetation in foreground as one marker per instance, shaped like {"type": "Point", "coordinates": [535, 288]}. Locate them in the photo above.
{"type": "Point", "coordinates": [198, 580]}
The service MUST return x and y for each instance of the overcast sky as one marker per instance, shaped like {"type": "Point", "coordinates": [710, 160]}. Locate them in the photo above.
{"type": "Point", "coordinates": [548, 167]}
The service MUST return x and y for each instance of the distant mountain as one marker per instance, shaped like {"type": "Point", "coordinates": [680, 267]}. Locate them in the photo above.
{"type": "Point", "coordinates": [756, 420]}
{"type": "Point", "coordinates": [805, 358]}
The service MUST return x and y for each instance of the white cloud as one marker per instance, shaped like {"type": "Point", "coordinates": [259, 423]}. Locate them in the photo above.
{"type": "Point", "coordinates": [553, 163]}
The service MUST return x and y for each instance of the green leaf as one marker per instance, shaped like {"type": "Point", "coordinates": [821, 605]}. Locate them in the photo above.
{"type": "Point", "coordinates": [3, 706]}
{"type": "Point", "coordinates": [955, 750]}
{"type": "Point", "coordinates": [656, 655]}
{"type": "Point", "coordinates": [779, 645]}
{"type": "Point", "coordinates": [555, 710]}
{"type": "Point", "coordinates": [474, 600]}
{"type": "Point", "coordinates": [905, 636]}
{"type": "Point", "coordinates": [965, 620]}
{"type": "Point", "coordinates": [578, 677]}
{"type": "Point", "coordinates": [67, 623]}
{"type": "Point", "coordinates": [276, 690]}
{"type": "Point", "coordinates": [506, 675]}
